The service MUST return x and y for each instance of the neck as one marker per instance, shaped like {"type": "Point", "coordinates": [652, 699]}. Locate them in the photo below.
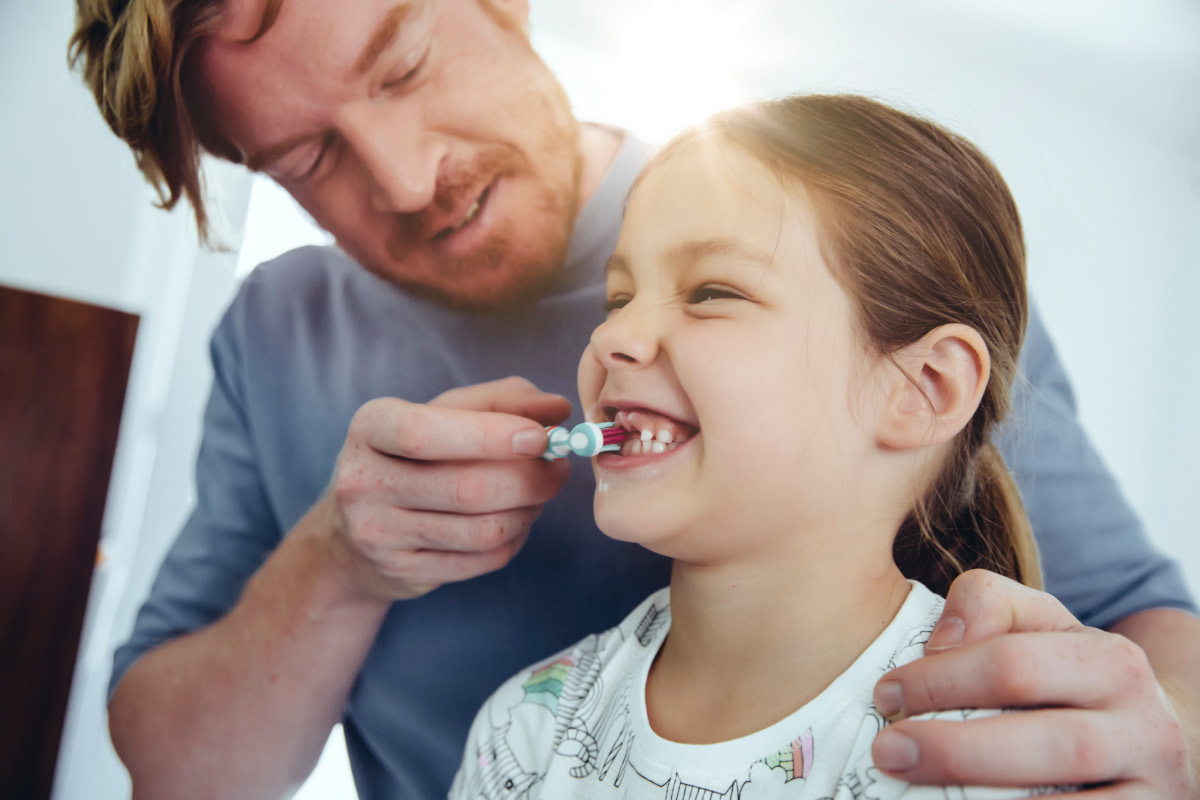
{"type": "Point", "coordinates": [597, 146]}
{"type": "Point", "coordinates": [807, 620]}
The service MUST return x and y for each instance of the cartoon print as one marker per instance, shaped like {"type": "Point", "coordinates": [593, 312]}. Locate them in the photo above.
{"type": "Point", "coordinates": [795, 760]}
{"type": "Point", "coordinates": [649, 625]}
{"type": "Point", "coordinates": [675, 789]}
{"type": "Point", "coordinates": [545, 683]}
{"type": "Point", "coordinates": [499, 775]}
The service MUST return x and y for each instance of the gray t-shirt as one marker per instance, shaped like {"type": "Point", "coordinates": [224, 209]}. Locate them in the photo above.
{"type": "Point", "coordinates": [311, 336]}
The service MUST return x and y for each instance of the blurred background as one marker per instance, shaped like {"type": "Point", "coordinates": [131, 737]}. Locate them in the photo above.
{"type": "Point", "coordinates": [1091, 108]}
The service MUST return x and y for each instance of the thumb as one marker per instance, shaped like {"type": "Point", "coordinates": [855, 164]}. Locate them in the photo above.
{"type": "Point", "coordinates": [982, 604]}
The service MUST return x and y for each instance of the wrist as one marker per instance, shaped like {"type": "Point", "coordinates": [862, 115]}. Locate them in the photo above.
{"type": "Point", "coordinates": [349, 576]}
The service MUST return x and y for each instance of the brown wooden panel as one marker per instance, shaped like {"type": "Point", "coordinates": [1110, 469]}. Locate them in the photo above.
{"type": "Point", "coordinates": [63, 370]}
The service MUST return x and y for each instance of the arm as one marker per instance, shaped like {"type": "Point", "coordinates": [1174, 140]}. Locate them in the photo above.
{"type": "Point", "coordinates": [1096, 713]}
{"type": "Point", "coordinates": [242, 706]}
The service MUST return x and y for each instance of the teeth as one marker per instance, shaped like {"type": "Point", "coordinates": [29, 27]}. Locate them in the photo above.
{"type": "Point", "coordinates": [649, 435]}
{"type": "Point", "coordinates": [470, 215]}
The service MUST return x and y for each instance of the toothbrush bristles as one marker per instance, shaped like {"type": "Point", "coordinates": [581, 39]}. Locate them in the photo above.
{"type": "Point", "coordinates": [615, 435]}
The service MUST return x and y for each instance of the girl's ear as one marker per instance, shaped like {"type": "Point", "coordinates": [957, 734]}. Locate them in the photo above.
{"type": "Point", "coordinates": [935, 392]}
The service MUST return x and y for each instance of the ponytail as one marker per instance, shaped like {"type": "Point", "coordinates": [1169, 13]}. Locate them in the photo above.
{"type": "Point", "coordinates": [971, 518]}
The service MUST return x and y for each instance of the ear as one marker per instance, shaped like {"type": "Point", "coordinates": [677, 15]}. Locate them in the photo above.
{"type": "Point", "coordinates": [935, 392]}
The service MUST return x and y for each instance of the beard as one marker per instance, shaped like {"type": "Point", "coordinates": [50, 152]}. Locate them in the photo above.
{"type": "Point", "coordinates": [518, 263]}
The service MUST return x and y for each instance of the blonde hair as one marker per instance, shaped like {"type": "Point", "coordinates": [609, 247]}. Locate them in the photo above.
{"type": "Point", "coordinates": [919, 228]}
{"type": "Point", "coordinates": [131, 54]}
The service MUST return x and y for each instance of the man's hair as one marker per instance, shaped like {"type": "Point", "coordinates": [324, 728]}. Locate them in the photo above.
{"type": "Point", "coordinates": [132, 54]}
{"type": "Point", "coordinates": [920, 230]}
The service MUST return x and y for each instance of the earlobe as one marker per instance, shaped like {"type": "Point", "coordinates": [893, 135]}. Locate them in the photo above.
{"type": "Point", "coordinates": [934, 393]}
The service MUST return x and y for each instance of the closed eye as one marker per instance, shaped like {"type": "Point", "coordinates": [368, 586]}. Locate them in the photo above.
{"type": "Point", "coordinates": [407, 76]}
{"type": "Point", "coordinates": [708, 293]}
{"type": "Point", "coordinates": [615, 303]}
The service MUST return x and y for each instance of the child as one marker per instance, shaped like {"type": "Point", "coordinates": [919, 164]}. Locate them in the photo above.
{"type": "Point", "coordinates": [815, 311]}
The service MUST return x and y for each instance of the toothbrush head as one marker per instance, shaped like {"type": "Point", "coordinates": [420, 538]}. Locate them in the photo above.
{"type": "Point", "coordinates": [586, 439]}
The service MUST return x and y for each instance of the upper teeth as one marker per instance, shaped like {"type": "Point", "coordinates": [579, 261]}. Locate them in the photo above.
{"type": "Point", "coordinates": [648, 440]}
{"type": "Point", "coordinates": [470, 215]}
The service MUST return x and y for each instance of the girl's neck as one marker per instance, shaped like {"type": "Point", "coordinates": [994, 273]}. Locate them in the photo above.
{"type": "Point", "coordinates": [752, 642]}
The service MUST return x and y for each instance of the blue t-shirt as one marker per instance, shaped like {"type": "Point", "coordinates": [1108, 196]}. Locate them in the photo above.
{"type": "Point", "coordinates": [312, 336]}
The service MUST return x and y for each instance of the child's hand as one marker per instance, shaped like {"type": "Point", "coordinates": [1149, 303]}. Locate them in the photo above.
{"type": "Point", "coordinates": [1094, 712]}
{"type": "Point", "coordinates": [430, 494]}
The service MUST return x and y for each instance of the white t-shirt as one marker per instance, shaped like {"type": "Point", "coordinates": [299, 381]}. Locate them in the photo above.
{"type": "Point", "coordinates": [575, 726]}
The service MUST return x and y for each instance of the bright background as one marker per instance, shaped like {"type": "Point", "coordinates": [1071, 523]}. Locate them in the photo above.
{"type": "Point", "coordinates": [1091, 108]}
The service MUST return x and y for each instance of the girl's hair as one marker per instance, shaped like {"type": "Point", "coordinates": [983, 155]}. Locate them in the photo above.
{"type": "Point", "coordinates": [920, 230]}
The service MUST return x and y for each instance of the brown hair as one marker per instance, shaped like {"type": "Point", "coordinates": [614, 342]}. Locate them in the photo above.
{"type": "Point", "coordinates": [132, 54]}
{"type": "Point", "coordinates": [920, 230]}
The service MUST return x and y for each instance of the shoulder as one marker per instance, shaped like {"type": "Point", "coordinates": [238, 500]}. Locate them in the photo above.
{"type": "Point", "coordinates": [290, 283]}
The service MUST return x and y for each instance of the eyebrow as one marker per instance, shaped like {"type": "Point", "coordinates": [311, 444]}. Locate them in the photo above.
{"type": "Point", "coordinates": [381, 39]}
{"type": "Point", "coordinates": [688, 253]}
{"type": "Point", "coordinates": [385, 33]}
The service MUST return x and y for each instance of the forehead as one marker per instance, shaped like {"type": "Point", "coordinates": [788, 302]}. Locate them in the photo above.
{"type": "Point", "coordinates": [712, 190]}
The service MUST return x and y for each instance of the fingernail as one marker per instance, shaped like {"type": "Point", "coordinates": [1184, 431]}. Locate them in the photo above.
{"type": "Point", "coordinates": [529, 442]}
{"type": "Point", "coordinates": [889, 698]}
{"type": "Point", "coordinates": [947, 634]}
{"type": "Point", "coordinates": [894, 752]}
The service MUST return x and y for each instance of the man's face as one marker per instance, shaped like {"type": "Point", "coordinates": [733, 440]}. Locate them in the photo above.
{"type": "Point", "coordinates": [425, 135]}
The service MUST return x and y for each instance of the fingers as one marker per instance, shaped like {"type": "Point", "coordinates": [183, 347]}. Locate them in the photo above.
{"type": "Point", "coordinates": [1048, 747]}
{"type": "Point", "coordinates": [433, 433]}
{"type": "Point", "coordinates": [982, 604]}
{"type": "Point", "coordinates": [514, 395]}
{"type": "Point", "coordinates": [1083, 669]}
{"type": "Point", "coordinates": [452, 533]}
{"type": "Point", "coordinates": [464, 487]}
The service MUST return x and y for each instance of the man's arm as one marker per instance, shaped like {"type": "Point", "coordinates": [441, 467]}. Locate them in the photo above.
{"type": "Point", "coordinates": [422, 495]}
{"type": "Point", "coordinates": [243, 707]}
{"type": "Point", "coordinates": [1095, 711]}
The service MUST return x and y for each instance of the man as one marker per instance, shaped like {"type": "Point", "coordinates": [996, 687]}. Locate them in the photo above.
{"type": "Point", "coordinates": [473, 215]}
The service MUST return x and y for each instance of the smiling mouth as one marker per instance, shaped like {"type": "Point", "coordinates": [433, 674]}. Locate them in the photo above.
{"type": "Point", "coordinates": [467, 218]}
{"type": "Point", "coordinates": [653, 433]}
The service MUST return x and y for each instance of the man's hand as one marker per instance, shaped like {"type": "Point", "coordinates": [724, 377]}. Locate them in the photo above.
{"type": "Point", "coordinates": [424, 495]}
{"type": "Point", "coordinates": [1094, 711]}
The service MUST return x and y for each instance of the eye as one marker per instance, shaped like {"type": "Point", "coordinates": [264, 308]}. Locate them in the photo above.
{"type": "Point", "coordinates": [709, 292]}
{"type": "Point", "coordinates": [402, 77]}
{"type": "Point", "coordinates": [620, 301]}
{"type": "Point", "coordinates": [324, 153]}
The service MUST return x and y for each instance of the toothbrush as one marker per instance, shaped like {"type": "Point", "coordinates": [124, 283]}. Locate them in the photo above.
{"type": "Point", "coordinates": [585, 439]}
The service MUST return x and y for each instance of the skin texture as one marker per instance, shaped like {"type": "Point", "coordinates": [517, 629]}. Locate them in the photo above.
{"type": "Point", "coordinates": [456, 105]}
{"type": "Point", "coordinates": [1116, 710]}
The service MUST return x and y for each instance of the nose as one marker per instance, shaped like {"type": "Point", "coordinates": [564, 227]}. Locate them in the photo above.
{"type": "Point", "coordinates": [628, 339]}
{"type": "Point", "coordinates": [399, 156]}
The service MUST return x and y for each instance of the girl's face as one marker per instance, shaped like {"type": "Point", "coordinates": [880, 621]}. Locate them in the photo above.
{"type": "Point", "coordinates": [730, 342]}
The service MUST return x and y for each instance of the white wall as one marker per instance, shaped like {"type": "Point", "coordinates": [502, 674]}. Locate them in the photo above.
{"type": "Point", "coordinates": [1088, 106]}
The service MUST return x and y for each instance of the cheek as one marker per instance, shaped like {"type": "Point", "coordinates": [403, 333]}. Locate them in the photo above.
{"type": "Point", "coordinates": [590, 379]}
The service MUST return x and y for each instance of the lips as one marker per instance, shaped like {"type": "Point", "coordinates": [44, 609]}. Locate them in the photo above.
{"type": "Point", "coordinates": [464, 214]}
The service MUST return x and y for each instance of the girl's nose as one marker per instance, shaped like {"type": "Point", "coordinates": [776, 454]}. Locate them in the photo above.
{"type": "Point", "coordinates": [627, 339]}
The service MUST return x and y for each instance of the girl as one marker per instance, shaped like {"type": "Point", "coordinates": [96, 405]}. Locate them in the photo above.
{"type": "Point", "coordinates": [815, 311]}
